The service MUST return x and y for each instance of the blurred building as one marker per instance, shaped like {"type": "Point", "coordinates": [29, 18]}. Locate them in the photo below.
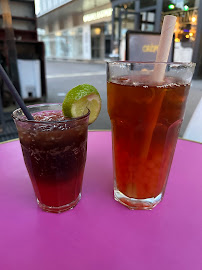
{"type": "Point", "coordinates": [78, 29]}
{"type": "Point", "coordinates": [83, 29]}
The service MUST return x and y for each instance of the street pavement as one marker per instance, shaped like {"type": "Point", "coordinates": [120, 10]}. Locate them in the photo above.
{"type": "Point", "coordinates": [63, 75]}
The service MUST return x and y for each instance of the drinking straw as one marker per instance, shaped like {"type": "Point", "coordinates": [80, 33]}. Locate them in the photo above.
{"type": "Point", "coordinates": [15, 94]}
{"type": "Point", "coordinates": [158, 76]}
{"type": "Point", "coordinates": [164, 47]}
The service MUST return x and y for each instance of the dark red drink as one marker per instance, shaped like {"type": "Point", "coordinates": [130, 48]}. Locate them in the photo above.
{"type": "Point", "coordinates": [54, 151]}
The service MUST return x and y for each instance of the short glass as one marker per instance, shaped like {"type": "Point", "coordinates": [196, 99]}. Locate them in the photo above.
{"type": "Point", "coordinates": [146, 117]}
{"type": "Point", "coordinates": [54, 152]}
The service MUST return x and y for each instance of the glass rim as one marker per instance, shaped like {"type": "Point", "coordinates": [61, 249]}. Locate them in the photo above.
{"type": "Point", "coordinates": [188, 64]}
{"type": "Point", "coordinates": [70, 120]}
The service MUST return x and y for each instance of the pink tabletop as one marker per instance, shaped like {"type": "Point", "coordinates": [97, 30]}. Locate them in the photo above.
{"type": "Point", "coordinates": [99, 233]}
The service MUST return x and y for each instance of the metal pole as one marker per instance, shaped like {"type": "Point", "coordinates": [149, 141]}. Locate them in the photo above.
{"type": "Point", "coordinates": [137, 15]}
{"type": "Point", "coordinates": [197, 52]}
{"type": "Point", "coordinates": [157, 24]}
{"type": "Point", "coordinates": [10, 43]}
{"type": "Point", "coordinates": [120, 25]}
{"type": "Point", "coordinates": [113, 29]}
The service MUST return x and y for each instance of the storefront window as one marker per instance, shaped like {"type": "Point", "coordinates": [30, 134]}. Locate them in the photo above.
{"type": "Point", "coordinates": [107, 28]}
{"type": "Point", "coordinates": [186, 25]}
{"type": "Point", "coordinates": [74, 43]}
{"type": "Point", "coordinates": [65, 44]}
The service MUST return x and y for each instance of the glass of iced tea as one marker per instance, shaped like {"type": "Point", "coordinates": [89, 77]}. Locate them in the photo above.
{"type": "Point", "coordinates": [146, 117]}
{"type": "Point", "coordinates": [54, 151]}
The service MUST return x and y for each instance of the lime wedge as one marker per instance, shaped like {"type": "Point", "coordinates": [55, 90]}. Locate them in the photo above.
{"type": "Point", "coordinates": [81, 98]}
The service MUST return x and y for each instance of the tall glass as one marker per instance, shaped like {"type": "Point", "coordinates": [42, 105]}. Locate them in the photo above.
{"type": "Point", "coordinates": [54, 151]}
{"type": "Point", "coordinates": [146, 117]}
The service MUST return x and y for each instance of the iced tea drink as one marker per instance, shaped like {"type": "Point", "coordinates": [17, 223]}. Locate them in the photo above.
{"type": "Point", "coordinates": [146, 118]}
{"type": "Point", "coordinates": [54, 151]}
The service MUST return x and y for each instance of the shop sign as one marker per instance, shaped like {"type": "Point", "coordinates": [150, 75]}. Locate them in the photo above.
{"type": "Point", "coordinates": [143, 46]}
{"type": "Point", "coordinates": [98, 15]}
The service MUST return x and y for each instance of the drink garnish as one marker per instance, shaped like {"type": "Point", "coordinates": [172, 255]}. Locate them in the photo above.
{"type": "Point", "coordinates": [79, 100]}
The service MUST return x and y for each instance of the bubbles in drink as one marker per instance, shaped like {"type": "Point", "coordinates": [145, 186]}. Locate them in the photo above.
{"type": "Point", "coordinates": [48, 116]}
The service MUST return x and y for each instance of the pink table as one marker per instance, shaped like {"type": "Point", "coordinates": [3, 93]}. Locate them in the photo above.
{"type": "Point", "coordinates": [100, 233]}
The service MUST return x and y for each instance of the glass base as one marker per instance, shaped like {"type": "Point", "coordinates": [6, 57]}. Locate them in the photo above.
{"type": "Point", "coordinates": [137, 204]}
{"type": "Point", "coordinates": [59, 209]}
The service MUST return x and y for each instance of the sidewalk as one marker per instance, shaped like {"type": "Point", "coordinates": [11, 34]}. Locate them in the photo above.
{"type": "Point", "coordinates": [192, 105]}
{"type": "Point", "coordinates": [9, 132]}
{"type": "Point", "coordinates": [193, 130]}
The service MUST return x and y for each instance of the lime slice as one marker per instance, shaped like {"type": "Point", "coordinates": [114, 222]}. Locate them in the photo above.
{"type": "Point", "coordinates": [81, 98]}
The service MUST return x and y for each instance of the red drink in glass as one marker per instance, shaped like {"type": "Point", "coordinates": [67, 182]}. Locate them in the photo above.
{"type": "Point", "coordinates": [54, 151]}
